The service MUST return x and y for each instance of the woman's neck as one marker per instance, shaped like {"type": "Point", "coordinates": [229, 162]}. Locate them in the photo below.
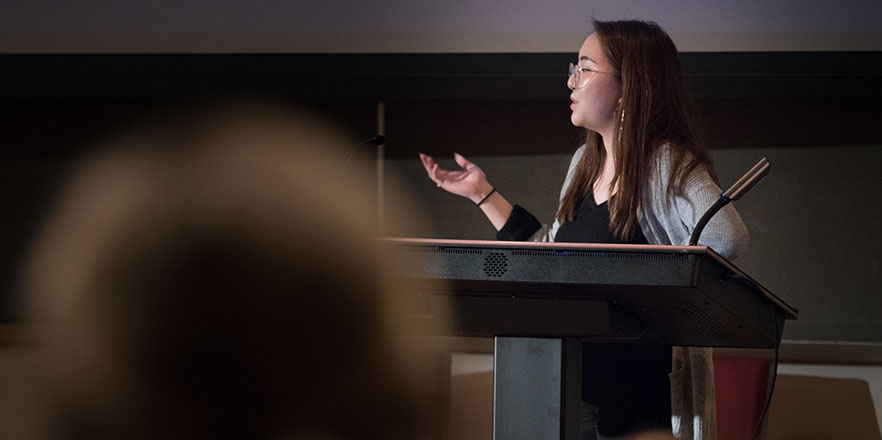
{"type": "Point", "coordinates": [602, 189]}
{"type": "Point", "coordinates": [609, 163]}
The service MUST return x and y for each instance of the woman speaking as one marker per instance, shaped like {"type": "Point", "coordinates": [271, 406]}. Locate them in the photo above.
{"type": "Point", "coordinates": [640, 178]}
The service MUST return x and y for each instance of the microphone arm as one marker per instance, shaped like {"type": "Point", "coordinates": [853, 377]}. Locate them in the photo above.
{"type": "Point", "coordinates": [375, 141]}
{"type": "Point", "coordinates": [735, 192]}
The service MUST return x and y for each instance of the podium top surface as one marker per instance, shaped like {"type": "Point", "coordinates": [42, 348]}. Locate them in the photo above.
{"type": "Point", "coordinates": [563, 249]}
{"type": "Point", "coordinates": [678, 295]}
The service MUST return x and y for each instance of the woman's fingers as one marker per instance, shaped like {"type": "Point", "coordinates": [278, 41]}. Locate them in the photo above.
{"type": "Point", "coordinates": [431, 168]}
{"type": "Point", "coordinates": [462, 162]}
{"type": "Point", "coordinates": [427, 162]}
{"type": "Point", "coordinates": [433, 174]}
{"type": "Point", "coordinates": [447, 179]}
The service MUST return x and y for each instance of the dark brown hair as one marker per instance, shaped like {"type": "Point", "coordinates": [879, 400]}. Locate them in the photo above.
{"type": "Point", "coordinates": [655, 110]}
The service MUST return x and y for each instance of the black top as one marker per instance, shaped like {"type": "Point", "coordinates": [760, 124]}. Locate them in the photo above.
{"type": "Point", "coordinates": [591, 225]}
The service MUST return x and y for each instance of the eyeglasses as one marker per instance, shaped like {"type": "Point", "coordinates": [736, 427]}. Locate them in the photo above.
{"type": "Point", "coordinates": [577, 80]}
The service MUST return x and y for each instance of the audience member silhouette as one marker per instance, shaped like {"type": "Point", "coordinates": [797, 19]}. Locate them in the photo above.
{"type": "Point", "coordinates": [215, 276]}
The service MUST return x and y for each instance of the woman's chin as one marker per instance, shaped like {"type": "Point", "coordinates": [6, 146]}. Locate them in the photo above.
{"type": "Point", "coordinates": [577, 121]}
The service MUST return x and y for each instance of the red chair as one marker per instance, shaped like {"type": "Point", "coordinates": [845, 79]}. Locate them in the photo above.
{"type": "Point", "coordinates": [741, 386]}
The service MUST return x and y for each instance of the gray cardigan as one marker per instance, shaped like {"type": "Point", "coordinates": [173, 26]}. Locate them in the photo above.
{"type": "Point", "coordinates": [672, 222]}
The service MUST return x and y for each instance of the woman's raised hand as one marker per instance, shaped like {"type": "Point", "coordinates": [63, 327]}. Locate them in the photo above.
{"type": "Point", "coordinates": [469, 182]}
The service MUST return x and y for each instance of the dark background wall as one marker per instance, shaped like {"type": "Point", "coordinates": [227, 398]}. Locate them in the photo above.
{"type": "Point", "coordinates": [813, 221]}
{"type": "Point", "coordinates": [797, 81]}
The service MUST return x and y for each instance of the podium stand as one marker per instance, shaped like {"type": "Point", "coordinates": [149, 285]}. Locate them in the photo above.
{"type": "Point", "coordinates": [541, 301]}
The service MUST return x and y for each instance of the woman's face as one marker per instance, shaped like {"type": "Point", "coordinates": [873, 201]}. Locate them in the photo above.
{"type": "Point", "coordinates": [595, 102]}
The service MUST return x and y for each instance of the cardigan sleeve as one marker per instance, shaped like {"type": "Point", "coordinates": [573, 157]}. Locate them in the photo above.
{"type": "Point", "coordinates": [726, 232]}
{"type": "Point", "coordinates": [671, 219]}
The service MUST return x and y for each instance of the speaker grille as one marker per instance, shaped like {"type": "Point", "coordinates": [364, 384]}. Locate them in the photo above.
{"type": "Point", "coordinates": [495, 264]}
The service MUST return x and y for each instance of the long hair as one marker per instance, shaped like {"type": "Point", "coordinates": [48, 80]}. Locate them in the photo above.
{"type": "Point", "coordinates": [654, 111]}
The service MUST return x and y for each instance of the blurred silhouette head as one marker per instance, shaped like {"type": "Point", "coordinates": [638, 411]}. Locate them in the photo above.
{"type": "Point", "coordinates": [652, 435]}
{"type": "Point", "coordinates": [216, 277]}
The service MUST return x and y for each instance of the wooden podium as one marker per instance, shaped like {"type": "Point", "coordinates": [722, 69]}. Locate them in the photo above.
{"type": "Point", "coordinates": [541, 301]}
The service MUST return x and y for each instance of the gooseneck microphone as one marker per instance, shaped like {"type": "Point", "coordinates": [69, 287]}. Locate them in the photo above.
{"type": "Point", "coordinates": [735, 192]}
{"type": "Point", "coordinates": [374, 142]}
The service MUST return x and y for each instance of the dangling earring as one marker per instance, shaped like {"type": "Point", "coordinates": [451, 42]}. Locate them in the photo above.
{"type": "Point", "coordinates": [622, 120]}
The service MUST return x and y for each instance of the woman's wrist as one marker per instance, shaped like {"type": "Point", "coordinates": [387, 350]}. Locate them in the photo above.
{"type": "Point", "coordinates": [487, 196]}
{"type": "Point", "coordinates": [481, 196]}
{"type": "Point", "coordinates": [497, 209]}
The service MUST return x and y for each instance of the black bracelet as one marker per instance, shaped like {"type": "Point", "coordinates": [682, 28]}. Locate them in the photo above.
{"type": "Point", "coordinates": [493, 190]}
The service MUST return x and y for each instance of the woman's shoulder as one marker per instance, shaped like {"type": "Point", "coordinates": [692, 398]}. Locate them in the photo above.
{"type": "Point", "coordinates": [667, 153]}
{"type": "Point", "coordinates": [577, 155]}
{"type": "Point", "coordinates": [574, 161]}
{"type": "Point", "coordinates": [662, 163]}
{"type": "Point", "coordinates": [668, 159]}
